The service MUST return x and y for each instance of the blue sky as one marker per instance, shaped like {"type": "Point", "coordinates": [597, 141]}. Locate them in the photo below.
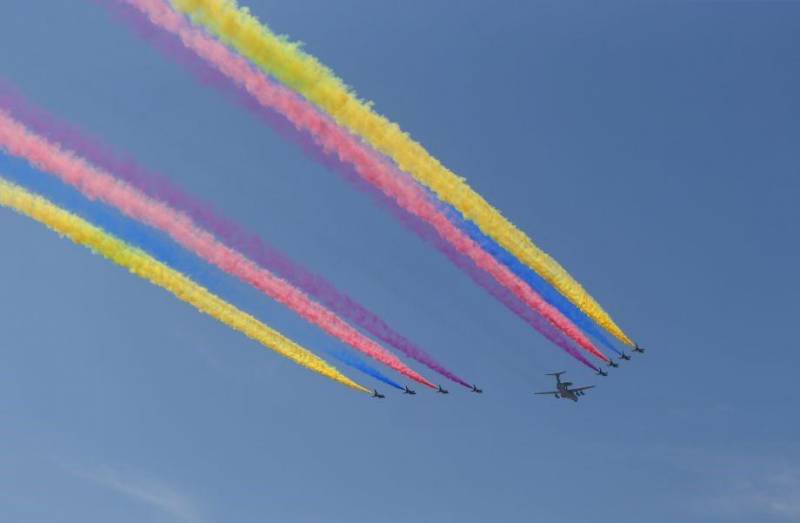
{"type": "Point", "coordinates": [651, 148]}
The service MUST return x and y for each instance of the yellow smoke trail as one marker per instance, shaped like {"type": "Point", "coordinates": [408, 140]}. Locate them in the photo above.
{"type": "Point", "coordinates": [288, 63]}
{"type": "Point", "coordinates": [144, 266]}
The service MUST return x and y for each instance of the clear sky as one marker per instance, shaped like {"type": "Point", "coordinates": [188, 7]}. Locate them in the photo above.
{"type": "Point", "coordinates": [651, 148]}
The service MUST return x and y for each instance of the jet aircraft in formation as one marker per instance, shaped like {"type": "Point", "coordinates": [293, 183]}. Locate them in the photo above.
{"type": "Point", "coordinates": [563, 389]}
{"type": "Point", "coordinates": [627, 357]}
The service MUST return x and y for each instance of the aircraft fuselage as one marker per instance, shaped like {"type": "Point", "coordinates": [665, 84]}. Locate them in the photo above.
{"type": "Point", "coordinates": [564, 392]}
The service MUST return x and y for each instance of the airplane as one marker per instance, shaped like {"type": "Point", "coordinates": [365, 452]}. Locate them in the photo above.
{"type": "Point", "coordinates": [624, 356]}
{"type": "Point", "coordinates": [601, 372]}
{"type": "Point", "coordinates": [612, 363]}
{"type": "Point", "coordinates": [564, 390]}
{"type": "Point", "coordinates": [376, 394]}
{"type": "Point", "coordinates": [408, 391]}
{"type": "Point", "coordinates": [440, 390]}
{"type": "Point", "coordinates": [638, 349]}
{"type": "Point", "coordinates": [476, 389]}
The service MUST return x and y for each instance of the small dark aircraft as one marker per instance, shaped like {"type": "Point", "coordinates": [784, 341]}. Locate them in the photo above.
{"type": "Point", "coordinates": [408, 391]}
{"type": "Point", "coordinates": [638, 349]}
{"type": "Point", "coordinates": [612, 363]}
{"type": "Point", "coordinates": [564, 390]}
{"type": "Point", "coordinates": [601, 372]}
{"type": "Point", "coordinates": [440, 390]}
{"type": "Point", "coordinates": [625, 357]}
{"type": "Point", "coordinates": [376, 394]}
{"type": "Point", "coordinates": [476, 389]}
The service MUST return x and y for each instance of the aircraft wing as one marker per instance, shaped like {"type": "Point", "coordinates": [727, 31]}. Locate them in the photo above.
{"type": "Point", "coordinates": [550, 392]}
{"type": "Point", "coordinates": [579, 389]}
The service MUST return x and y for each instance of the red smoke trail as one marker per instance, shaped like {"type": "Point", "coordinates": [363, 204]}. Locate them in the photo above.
{"type": "Point", "coordinates": [349, 149]}
{"type": "Point", "coordinates": [96, 184]}
{"type": "Point", "coordinates": [484, 280]}
{"type": "Point", "coordinates": [158, 187]}
{"type": "Point", "coordinates": [265, 255]}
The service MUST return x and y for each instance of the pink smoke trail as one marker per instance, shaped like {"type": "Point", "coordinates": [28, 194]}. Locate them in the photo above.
{"type": "Point", "coordinates": [481, 278]}
{"type": "Point", "coordinates": [251, 245]}
{"type": "Point", "coordinates": [97, 184]}
{"type": "Point", "coordinates": [349, 149]}
{"type": "Point", "coordinates": [159, 188]}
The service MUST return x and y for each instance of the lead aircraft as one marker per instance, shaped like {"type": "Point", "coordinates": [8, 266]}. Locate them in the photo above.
{"type": "Point", "coordinates": [563, 389]}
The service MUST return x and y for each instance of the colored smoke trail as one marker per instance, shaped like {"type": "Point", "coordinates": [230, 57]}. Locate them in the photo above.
{"type": "Point", "coordinates": [500, 293]}
{"type": "Point", "coordinates": [138, 235]}
{"type": "Point", "coordinates": [349, 149]}
{"type": "Point", "coordinates": [424, 231]}
{"type": "Point", "coordinates": [286, 61]}
{"type": "Point", "coordinates": [94, 183]}
{"type": "Point", "coordinates": [537, 283]}
{"type": "Point", "coordinates": [159, 188]}
{"type": "Point", "coordinates": [144, 266]}
{"type": "Point", "coordinates": [351, 359]}
{"type": "Point", "coordinates": [252, 245]}
{"type": "Point", "coordinates": [19, 172]}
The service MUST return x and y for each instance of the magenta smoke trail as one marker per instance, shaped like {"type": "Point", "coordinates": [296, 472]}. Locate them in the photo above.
{"type": "Point", "coordinates": [159, 188]}
{"type": "Point", "coordinates": [252, 245]}
{"type": "Point", "coordinates": [348, 148]}
{"type": "Point", "coordinates": [96, 184]}
{"type": "Point", "coordinates": [171, 45]}
{"type": "Point", "coordinates": [481, 278]}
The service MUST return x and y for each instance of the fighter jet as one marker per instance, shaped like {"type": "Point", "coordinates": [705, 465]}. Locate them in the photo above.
{"type": "Point", "coordinates": [476, 389]}
{"type": "Point", "coordinates": [638, 349]}
{"type": "Point", "coordinates": [563, 389]}
{"type": "Point", "coordinates": [440, 390]}
{"type": "Point", "coordinates": [408, 391]}
{"type": "Point", "coordinates": [624, 356]}
{"type": "Point", "coordinates": [612, 363]}
{"type": "Point", "coordinates": [376, 394]}
{"type": "Point", "coordinates": [601, 372]}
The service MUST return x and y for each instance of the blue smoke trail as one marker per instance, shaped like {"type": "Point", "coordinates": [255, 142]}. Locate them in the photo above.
{"type": "Point", "coordinates": [142, 236]}
{"type": "Point", "coordinates": [109, 219]}
{"type": "Point", "coordinates": [528, 275]}
{"type": "Point", "coordinates": [351, 359]}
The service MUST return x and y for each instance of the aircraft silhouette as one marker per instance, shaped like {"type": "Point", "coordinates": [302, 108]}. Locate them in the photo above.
{"type": "Point", "coordinates": [563, 389]}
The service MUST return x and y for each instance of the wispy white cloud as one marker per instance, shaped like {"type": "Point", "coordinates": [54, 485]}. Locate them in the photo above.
{"type": "Point", "coordinates": [149, 491]}
{"type": "Point", "coordinates": [767, 491]}
{"type": "Point", "coordinates": [740, 487]}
